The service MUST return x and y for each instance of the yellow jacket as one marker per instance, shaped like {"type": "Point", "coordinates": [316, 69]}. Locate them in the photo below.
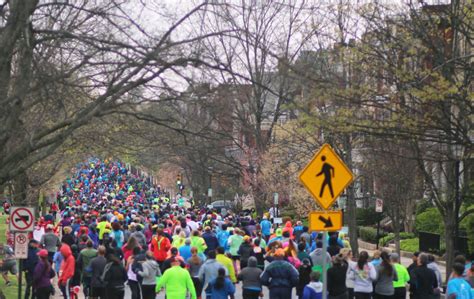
{"type": "Point", "coordinates": [228, 264]}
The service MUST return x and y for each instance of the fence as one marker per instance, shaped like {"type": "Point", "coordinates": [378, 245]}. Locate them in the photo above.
{"type": "Point", "coordinates": [429, 242]}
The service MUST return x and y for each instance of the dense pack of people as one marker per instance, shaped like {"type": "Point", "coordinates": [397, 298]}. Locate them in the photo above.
{"type": "Point", "coordinates": [111, 228]}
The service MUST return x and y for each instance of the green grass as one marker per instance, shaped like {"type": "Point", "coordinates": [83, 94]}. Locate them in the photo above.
{"type": "Point", "coordinates": [10, 292]}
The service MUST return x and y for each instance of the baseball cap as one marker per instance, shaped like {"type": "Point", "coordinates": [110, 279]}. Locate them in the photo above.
{"type": "Point", "coordinates": [42, 253]}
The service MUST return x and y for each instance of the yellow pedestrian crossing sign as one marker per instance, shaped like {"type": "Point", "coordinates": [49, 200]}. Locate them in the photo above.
{"type": "Point", "coordinates": [326, 176]}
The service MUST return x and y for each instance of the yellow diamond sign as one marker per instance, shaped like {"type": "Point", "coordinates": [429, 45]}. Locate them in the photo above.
{"type": "Point", "coordinates": [326, 176]}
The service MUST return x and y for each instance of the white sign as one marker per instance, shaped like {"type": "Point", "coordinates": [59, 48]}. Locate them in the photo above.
{"type": "Point", "coordinates": [21, 245]}
{"type": "Point", "coordinates": [209, 192]}
{"type": "Point", "coordinates": [379, 205]}
{"type": "Point", "coordinates": [277, 220]}
{"type": "Point", "coordinates": [22, 219]}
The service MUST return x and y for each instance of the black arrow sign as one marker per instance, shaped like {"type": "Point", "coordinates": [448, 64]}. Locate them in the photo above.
{"type": "Point", "coordinates": [327, 222]}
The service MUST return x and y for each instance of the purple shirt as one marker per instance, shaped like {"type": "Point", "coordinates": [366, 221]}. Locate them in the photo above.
{"type": "Point", "coordinates": [41, 276]}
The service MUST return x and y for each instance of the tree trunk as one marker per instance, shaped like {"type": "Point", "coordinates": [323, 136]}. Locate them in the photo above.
{"type": "Point", "coordinates": [396, 232]}
{"type": "Point", "coordinates": [20, 188]}
{"type": "Point", "coordinates": [449, 230]}
{"type": "Point", "coordinates": [409, 219]}
{"type": "Point", "coordinates": [32, 198]}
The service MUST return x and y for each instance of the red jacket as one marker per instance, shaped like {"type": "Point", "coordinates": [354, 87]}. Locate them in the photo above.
{"type": "Point", "coordinates": [67, 266]}
{"type": "Point", "coordinates": [160, 246]}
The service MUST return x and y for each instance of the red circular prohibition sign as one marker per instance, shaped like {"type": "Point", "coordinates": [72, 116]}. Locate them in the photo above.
{"type": "Point", "coordinates": [27, 222]}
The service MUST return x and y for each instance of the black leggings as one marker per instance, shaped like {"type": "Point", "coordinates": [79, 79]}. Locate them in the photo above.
{"type": "Point", "coordinates": [135, 289]}
{"type": "Point", "coordinates": [360, 295]}
{"type": "Point", "coordinates": [250, 294]}
{"type": "Point", "coordinates": [43, 293]}
{"type": "Point", "coordinates": [148, 291]}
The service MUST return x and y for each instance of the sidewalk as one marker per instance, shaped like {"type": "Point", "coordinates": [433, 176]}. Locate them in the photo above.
{"type": "Point", "coordinates": [404, 260]}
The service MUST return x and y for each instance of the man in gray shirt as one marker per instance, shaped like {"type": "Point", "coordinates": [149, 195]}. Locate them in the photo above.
{"type": "Point", "coordinates": [50, 241]}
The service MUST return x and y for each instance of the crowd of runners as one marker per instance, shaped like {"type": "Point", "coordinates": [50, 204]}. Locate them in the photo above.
{"type": "Point", "coordinates": [110, 228]}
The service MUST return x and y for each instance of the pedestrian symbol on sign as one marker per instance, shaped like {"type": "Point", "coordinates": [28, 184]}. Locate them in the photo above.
{"type": "Point", "coordinates": [326, 176]}
{"type": "Point", "coordinates": [328, 172]}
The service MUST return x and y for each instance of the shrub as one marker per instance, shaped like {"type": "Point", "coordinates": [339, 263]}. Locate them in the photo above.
{"type": "Point", "coordinates": [367, 217]}
{"type": "Point", "coordinates": [387, 239]}
{"type": "Point", "coordinates": [369, 234]}
{"type": "Point", "coordinates": [405, 235]}
{"type": "Point", "coordinates": [391, 236]}
{"type": "Point", "coordinates": [410, 245]}
{"type": "Point", "coordinates": [430, 221]}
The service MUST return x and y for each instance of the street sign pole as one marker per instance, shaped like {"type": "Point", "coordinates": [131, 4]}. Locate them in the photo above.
{"type": "Point", "coordinates": [325, 252]}
{"type": "Point", "coordinates": [20, 274]}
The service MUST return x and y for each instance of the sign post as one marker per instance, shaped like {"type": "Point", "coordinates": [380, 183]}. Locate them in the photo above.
{"type": "Point", "coordinates": [325, 177]}
{"type": "Point", "coordinates": [325, 266]}
{"type": "Point", "coordinates": [22, 220]}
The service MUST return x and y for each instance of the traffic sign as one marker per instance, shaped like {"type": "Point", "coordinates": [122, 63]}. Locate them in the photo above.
{"type": "Point", "coordinates": [326, 176]}
{"type": "Point", "coordinates": [325, 220]}
{"type": "Point", "coordinates": [22, 219]}
{"type": "Point", "coordinates": [21, 245]}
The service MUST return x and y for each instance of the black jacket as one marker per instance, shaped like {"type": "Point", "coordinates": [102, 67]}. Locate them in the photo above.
{"type": "Point", "coordinates": [304, 278]}
{"type": "Point", "coordinates": [337, 280]}
{"type": "Point", "coordinates": [97, 266]}
{"type": "Point", "coordinates": [115, 276]}
{"type": "Point", "coordinates": [30, 263]}
{"type": "Point", "coordinates": [245, 251]}
{"type": "Point", "coordinates": [422, 282]}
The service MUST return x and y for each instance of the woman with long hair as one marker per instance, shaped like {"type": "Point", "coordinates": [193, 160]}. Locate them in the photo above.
{"type": "Point", "coordinates": [194, 264]}
{"type": "Point", "coordinates": [132, 276]}
{"type": "Point", "coordinates": [127, 249]}
{"type": "Point", "coordinates": [221, 287]}
{"type": "Point", "coordinates": [386, 275]}
{"type": "Point", "coordinates": [42, 276]}
{"type": "Point", "coordinates": [363, 274]}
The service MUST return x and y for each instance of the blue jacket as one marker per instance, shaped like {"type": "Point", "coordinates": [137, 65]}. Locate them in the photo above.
{"type": "Point", "coordinates": [280, 274]}
{"type": "Point", "coordinates": [313, 290]}
{"type": "Point", "coordinates": [228, 289]}
{"type": "Point", "coordinates": [222, 238]}
{"type": "Point", "coordinates": [266, 227]}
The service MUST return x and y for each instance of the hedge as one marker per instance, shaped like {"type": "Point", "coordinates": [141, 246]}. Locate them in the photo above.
{"type": "Point", "coordinates": [410, 245]}
{"type": "Point", "coordinates": [430, 221]}
{"type": "Point", "coordinates": [391, 236]}
{"type": "Point", "coordinates": [369, 234]}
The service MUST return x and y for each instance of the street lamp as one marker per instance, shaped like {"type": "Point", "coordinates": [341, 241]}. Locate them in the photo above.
{"type": "Point", "coordinates": [209, 191]}
{"type": "Point", "coordinates": [457, 153]}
